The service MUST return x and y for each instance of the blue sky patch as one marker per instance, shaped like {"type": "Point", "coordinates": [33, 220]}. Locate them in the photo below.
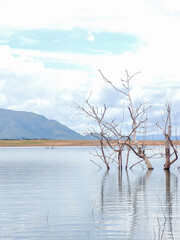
{"type": "Point", "coordinates": [65, 66]}
{"type": "Point", "coordinates": [74, 41]}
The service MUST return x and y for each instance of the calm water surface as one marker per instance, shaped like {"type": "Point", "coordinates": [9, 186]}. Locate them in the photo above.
{"type": "Point", "coordinates": [59, 194]}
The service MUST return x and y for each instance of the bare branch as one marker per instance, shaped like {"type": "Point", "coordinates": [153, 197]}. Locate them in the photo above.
{"type": "Point", "coordinates": [107, 81]}
{"type": "Point", "coordinates": [136, 163]}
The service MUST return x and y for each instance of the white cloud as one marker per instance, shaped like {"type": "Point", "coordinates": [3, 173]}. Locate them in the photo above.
{"type": "Point", "coordinates": [116, 15]}
{"type": "Point", "coordinates": [170, 6]}
{"type": "Point", "coordinates": [18, 65]}
{"type": "Point", "coordinates": [27, 41]}
{"type": "Point", "coordinates": [25, 84]}
{"type": "Point", "coordinates": [90, 37]}
{"type": "Point", "coordinates": [3, 99]}
{"type": "Point", "coordinates": [44, 90]}
{"type": "Point", "coordinates": [153, 21]}
{"type": "Point", "coordinates": [32, 105]}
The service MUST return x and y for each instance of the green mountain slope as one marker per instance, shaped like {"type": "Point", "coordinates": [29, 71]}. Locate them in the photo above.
{"type": "Point", "coordinates": [20, 124]}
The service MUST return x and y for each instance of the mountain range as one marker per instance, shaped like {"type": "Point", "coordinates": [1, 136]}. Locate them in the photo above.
{"type": "Point", "coordinates": [28, 125]}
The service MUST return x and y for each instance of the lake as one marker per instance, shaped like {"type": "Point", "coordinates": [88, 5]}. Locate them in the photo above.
{"type": "Point", "coordinates": [60, 194]}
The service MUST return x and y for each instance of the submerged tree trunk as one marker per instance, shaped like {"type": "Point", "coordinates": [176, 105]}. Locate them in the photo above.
{"type": "Point", "coordinates": [148, 163]}
{"type": "Point", "coordinates": [168, 142]}
{"type": "Point", "coordinates": [119, 160]}
{"type": "Point", "coordinates": [167, 155]}
{"type": "Point", "coordinates": [141, 154]}
{"type": "Point", "coordinates": [137, 115]}
{"type": "Point", "coordinates": [127, 159]}
{"type": "Point", "coordinates": [103, 153]}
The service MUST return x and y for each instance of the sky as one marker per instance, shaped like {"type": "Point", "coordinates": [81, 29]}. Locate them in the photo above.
{"type": "Point", "coordinates": [51, 50]}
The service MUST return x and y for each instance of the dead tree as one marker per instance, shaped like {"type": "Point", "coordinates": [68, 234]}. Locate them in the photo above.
{"type": "Point", "coordinates": [115, 139]}
{"type": "Point", "coordinates": [137, 116]}
{"type": "Point", "coordinates": [98, 116]}
{"type": "Point", "coordinates": [170, 157]}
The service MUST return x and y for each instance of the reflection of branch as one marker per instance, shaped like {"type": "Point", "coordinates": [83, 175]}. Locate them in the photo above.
{"type": "Point", "coordinates": [161, 227]}
{"type": "Point", "coordinates": [95, 163]}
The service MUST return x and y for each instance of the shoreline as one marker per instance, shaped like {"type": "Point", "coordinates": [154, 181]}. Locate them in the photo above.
{"type": "Point", "coordinates": [63, 143]}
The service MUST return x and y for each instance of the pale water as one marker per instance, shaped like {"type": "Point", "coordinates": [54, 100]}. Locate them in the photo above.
{"type": "Point", "coordinates": [58, 194]}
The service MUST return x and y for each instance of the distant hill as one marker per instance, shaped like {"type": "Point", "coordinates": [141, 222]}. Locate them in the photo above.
{"type": "Point", "coordinates": [28, 125]}
{"type": "Point", "coordinates": [157, 137]}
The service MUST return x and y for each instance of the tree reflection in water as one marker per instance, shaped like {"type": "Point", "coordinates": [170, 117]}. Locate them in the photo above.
{"type": "Point", "coordinates": [131, 207]}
